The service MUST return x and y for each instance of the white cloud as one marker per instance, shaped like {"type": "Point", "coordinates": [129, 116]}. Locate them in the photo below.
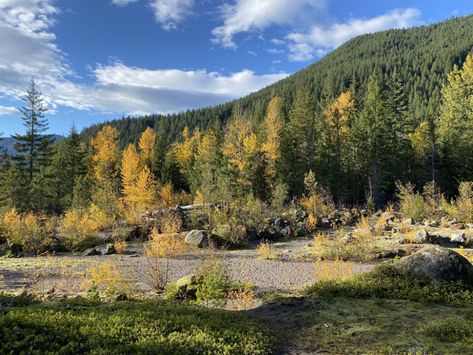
{"type": "Point", "coordinates": [123, 2]}
{"type": "Point", "coordinates": [133, 90]}
{"type": "Point", "coordinates": [28, 50]}
{"type": "Point", "coordinates": [319, 40]}
{"type": "Point", "coordinates": [169, 13]}
{"type": "Point", "coordinates": [252, 15]}
{"type": "Point", "coordinates": [8, 110]}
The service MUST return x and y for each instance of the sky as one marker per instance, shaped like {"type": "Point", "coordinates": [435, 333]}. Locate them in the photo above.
{"type": "Point", "coordinates": [96, 60]}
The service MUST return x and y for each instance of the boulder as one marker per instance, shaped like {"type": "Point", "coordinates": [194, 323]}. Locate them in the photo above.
{"type": "Point", "coordinates": [391, 254]}
{"type": "Point", "coordinates": [422, 237]}
{"type": "Point", "coordinates": [197, 238]}
{"type": "Point", "coordinates": [324, 223]}
{"type": "Point", "coordinates": [458, 238]}
{"type": "Point", "coordinates": [15, 250]}
{"type": "Point", "coordinates": [187, 286]}
{"type": "Point", "coordinates": [121, 297]}
{"type": "Point", "coordinates": [107, 249]}
{"type": "Point", "coordinates": [347, 238]}
{"type": "Point", "coordinates": [409, 221]}
{"type": "Point", "coordinates": [436, 264]}
{"type": "Point", "coordinates": [301, 229]}
{"type": "Point", "coordinates": [457, 226]}
{"type": "Point", "coordinates": [91, 252]}
{"type": "Point", "coordinates": [287, 232]}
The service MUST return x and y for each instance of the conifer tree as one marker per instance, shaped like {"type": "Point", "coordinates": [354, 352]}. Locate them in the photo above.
{"type": "Point", "coordinates": [455, 126]}
{"type": "Point", "coordinates": [68, 164]}
{"type": "Point", "coordinates": [368, 134]}
{"type": "Point", "coordinates": [33, 146]}
{"type": "Point", "coordinates": [338, 116]}
{"type": "Point", "coordinates": [300, 142]}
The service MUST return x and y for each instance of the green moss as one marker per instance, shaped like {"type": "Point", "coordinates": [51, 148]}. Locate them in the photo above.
{"type": "Point", "coordinates": [127, 327]}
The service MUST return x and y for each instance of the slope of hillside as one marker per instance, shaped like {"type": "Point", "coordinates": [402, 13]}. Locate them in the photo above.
{"type": "Point", "coordinates": [6, 143]}
{"type": "Point", "coordinates": [422, 56]}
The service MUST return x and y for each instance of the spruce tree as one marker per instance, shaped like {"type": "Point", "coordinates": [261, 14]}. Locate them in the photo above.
{"type": "Point", "coordinates": [33, 146]}
{"type": "Point", "coordinates": [299, 142]}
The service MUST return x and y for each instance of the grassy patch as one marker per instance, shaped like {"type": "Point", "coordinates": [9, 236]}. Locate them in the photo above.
{"type": "Point", "coordinates": [127, 327]}
{"type": "Point", "coordinates": [374, 326]}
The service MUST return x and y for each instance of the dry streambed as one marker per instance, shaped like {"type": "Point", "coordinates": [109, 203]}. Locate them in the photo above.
{"type": "Point", "coordinates": [66, 274]}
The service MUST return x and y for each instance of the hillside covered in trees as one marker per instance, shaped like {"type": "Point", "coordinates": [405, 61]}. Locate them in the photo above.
{"type": "Point", "coordinates": [421, 56]}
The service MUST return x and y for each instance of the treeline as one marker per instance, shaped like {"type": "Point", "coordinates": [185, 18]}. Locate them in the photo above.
{"type": "Point", "coordinates": [357, 150]}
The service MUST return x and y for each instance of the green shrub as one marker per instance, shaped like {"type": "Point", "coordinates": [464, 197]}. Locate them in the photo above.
{"type": "Point", "coordinates": [215, 284]}
{"type": "Point", "coordinates": [412, 203]}
{"type": "Point", "coordinates": [450, 329]}
{"type": "Point", "coordinates": [128, 327]}
{"type": "Point", "coordinates": [386, 282]}
{"type": "Point", "coordinates": [461, 208]}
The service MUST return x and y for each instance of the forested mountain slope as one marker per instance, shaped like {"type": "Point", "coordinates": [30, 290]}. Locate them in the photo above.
{"type": "Point", "coordinates": [422, 56]}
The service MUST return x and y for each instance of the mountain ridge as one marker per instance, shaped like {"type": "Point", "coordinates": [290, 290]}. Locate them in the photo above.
{"type": "Point", "coordinates": [422, 56]}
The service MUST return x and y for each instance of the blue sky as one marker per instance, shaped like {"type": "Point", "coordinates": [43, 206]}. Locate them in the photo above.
{"type": "Point", "coordinates": [95, 60]}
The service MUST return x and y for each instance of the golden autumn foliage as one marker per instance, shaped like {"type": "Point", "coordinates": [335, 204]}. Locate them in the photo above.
{"type": "Point", "coordinates": [138, 185]}
{"type": "Point", "coordinates": [420, 139]}
{"type": "Point", "coordinates": [79, 227]}
{"type": "Point", "coordinates": [338, 115]}
{"type": "Point", "coordinates": [184, 151]}
{"type": "Point", "coordinates": [26, 230]}
{"type": "Point", "coordinates": [105, 155]}
{"type": "Point", "coordinates": [273, 126]}
{"type": "Point", "coordinates": [147, 146]}
{"type": "Point", "coordinates": [130, 169]}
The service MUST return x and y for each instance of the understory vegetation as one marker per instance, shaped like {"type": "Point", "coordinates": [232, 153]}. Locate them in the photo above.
{"type": "Point", "coordinates": [81, 326]}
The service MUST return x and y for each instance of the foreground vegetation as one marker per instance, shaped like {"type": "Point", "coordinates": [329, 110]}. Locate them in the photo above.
{"type": "Point", "coordinates": [78, 326]}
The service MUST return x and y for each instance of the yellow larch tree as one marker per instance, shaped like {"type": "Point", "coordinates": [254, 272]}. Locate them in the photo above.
{"type": "Point", "coordinates": [243, 152]}
{"type": "Point", "coordinates": [273, 126]}
{"type": "Point", "coordinates": [147, 146]}
{"type": "Point", "coordinates": [184, 151]}
{"type": "Point", "coordinates": [105, 157]}
{"type": "Point", "coordinates": [138, 185]}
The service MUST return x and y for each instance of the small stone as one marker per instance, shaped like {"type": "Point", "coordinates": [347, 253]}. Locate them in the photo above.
{"type": "Point", "coordinates": [121, 297]}
{"type": "Point", "coordinates": [422, 236]}
{"type": "Point", "coordinates": [458, 238]}
{"type": "Point", "coordinates": [91, 252]}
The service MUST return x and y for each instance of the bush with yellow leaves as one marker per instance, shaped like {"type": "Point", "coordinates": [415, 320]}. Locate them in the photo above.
{"type": "Point", "coordinates": [32, 232]}
{"type": "Point", "coordinates": [107, 276]}
{"type": "Point", "coordinates": [266, 251]}
{"type": "Point", "coordinates": [317, 202]}
{"type": "Point", "coordinates": [337, 269]}
{"type": "Point", "coordinates": [161, 246]}
{"type": "Point", "coordinates": [78, 228]}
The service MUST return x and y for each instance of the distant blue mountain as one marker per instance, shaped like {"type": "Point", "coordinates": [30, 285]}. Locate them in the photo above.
{"type": "Point", "coordinates": [8, 142]}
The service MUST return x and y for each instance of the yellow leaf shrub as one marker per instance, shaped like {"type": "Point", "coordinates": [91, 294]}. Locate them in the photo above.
{"type": "Point", "coordinates": [28, 230]}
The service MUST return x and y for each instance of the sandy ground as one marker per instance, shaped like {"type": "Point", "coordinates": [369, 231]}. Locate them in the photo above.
{"type": "Point", "coordinates": [289, 273]}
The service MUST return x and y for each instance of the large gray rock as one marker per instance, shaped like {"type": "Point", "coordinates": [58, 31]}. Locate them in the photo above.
{"type": "Point", "coordinates": [197, 238]}
{"type": "Point", "coordinates": [422, 237]}
{"type": "Point", "coordinates": [436, 264]}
